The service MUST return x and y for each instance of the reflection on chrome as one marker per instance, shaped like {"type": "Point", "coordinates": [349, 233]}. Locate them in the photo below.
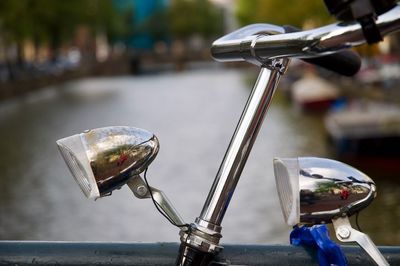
{"type": "Point", "coordinates": [314, 190]}
{"type": "Point", "coordinates": [328, 188]}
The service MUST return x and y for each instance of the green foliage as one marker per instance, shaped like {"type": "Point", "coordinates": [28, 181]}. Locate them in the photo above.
{"type": "Point", "coordinates": [15, 21]}
{"type": "Point", "coordinates": [288, 12]}
{"type": "Point", "coordinates": [104, 17]}
{"type": "Point", "coordinates": [189, 17]}
{"type": "Point", "coordinates": [56, 21]}
{"type": "Point", "coordinates": [326, 187]}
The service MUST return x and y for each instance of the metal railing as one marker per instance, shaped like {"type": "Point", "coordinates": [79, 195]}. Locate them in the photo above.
{"type": "Point", "coordinates": [122, 253]}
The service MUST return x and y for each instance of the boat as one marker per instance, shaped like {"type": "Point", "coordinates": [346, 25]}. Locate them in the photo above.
{"type": "Point", "coordinates": [366, 133]}
{"type": "Point", "coordinates": [314, 93]}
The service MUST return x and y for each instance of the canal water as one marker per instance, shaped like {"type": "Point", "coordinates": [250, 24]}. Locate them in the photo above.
{"type": "Point", "coordinates": [193, 114]}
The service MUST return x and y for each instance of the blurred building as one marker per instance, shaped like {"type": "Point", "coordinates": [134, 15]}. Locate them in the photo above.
{"type": "Point", "coordinates": [141, 12]}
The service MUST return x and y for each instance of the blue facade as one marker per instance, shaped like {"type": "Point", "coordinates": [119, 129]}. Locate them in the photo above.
{"type": "Point", "coordinates": [142, 11]}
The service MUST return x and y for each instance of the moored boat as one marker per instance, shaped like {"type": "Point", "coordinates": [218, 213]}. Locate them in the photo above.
{"type": "Point", "coordinates": [314, 93]}
{"type": "Point", "coordinates": [367, 133]}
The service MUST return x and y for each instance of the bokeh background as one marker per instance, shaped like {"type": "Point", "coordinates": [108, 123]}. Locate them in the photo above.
{"type": "Point", "coordinates": [66, 66]}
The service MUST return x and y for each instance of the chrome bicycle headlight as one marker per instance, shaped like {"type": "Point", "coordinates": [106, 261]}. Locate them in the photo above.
{"type": "Point", "coordinates": [314, 190]}
{"type": "Point", "coordinates": [104, 159]}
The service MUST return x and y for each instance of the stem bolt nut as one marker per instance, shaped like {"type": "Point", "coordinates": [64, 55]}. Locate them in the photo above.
{"type": "Point", "coordinates": [343, 232]}
{"type": "Point", "coordinates": [141, 191]}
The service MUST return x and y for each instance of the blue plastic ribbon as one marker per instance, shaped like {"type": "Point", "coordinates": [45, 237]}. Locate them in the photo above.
{"type": "Point", "coordinates": [317, 236]}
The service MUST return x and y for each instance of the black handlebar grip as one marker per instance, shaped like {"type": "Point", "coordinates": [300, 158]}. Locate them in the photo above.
{"type": "Point", "coordinates": [346, 63]}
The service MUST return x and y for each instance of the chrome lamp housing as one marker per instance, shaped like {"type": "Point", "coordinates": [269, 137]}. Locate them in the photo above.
{"type": "Point", "coordinates": [104, 159]}
{"type": "Point", "coordinates": [316, 190]}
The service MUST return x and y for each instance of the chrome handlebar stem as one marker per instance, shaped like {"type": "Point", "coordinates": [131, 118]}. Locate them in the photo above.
{"type": "Point", "coordinates": [205, 233]}
{"type": "Point", "coordinates": [242, 142]}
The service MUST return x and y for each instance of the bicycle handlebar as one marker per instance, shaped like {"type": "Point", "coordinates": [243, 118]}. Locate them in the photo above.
{"type": "Point", "coordinates": [346, 62]}
{"type": "Point", "coordinates": [258, 43]}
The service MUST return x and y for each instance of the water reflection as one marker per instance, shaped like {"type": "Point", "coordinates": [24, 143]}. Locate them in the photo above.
{"type": "Point", "coordinates": [193, 114]}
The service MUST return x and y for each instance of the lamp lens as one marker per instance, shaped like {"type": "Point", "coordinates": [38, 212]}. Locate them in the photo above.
{"type": "Point", "coordinates": [287, 183]}
{"type": "Point", "coordinates": [74, 154]}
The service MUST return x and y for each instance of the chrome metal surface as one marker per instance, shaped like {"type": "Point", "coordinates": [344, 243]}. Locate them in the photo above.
{"type": "Point", "coordinates": [345, 233]}
{"type": "Point", "coordinates": [314, 190]}
{"type": "Point", "coordinates": [201, 238]}
{"type": "Point", "coordinates": [104, 159]}
{"type": "Point", "coordinates": [231, 46]}
{"type": "Point", "coordinates": [251, 42]}
{"type": "Point", "coordinates": [164, 203]}
{"type": "Point", "coordinates": [329, 189]}
{"type": "Point", "coordinates": [326, 191]}
{"type": "Point", "coordinates": [139, 187]}
{"type": "Point", "coordinates": [240, 147]}
{"type": "Point", "coordinates": [205, 233]}
{"type": "Point", "coordinates": [140, 190]}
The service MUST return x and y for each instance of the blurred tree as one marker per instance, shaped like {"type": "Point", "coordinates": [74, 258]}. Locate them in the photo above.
{"type": "Point", "coordinates": [289, 12]}
{"type": "Point", "coordinates": [56, 22]}
{"type": "Point", "coordinates": [104, 17]}
{"type": "Point", "coordinates": [191, 17]}
{"type": "Point", "coordinates": [43, 21]}
{"type": "Point", "coordinates": [15, 24]}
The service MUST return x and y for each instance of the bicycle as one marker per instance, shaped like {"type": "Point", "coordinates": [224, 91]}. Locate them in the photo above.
{"type": "Point", "coordinates": [102, 160]}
